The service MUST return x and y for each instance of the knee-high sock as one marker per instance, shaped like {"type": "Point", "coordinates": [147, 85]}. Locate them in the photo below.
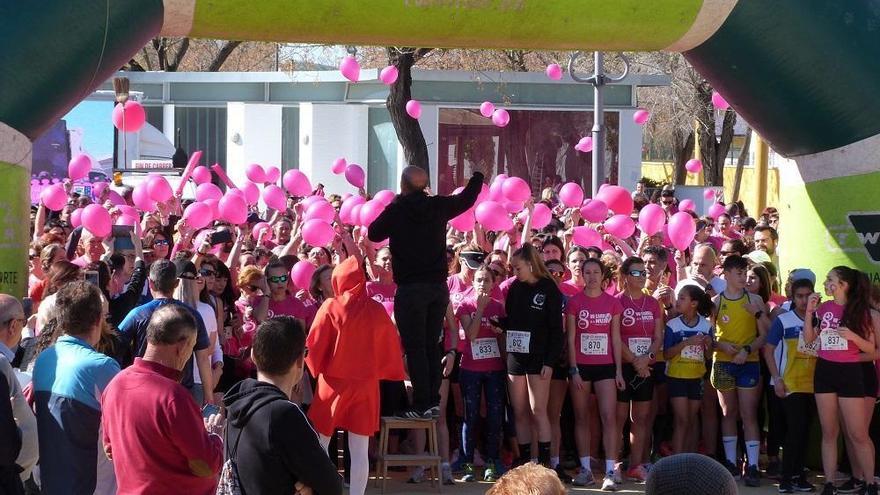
{"type": "Point", "coordinates": [360, 463]}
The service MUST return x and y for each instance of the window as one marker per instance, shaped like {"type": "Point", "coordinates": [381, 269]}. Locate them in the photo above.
{"type": "Point", "coordinates": [202, 128]}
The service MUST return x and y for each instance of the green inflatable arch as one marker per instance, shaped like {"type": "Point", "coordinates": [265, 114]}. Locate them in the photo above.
{"type": "Point", "coordinates": [804, 73]}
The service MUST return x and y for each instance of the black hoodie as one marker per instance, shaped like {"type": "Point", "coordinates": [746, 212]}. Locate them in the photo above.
{"type": "Point", "coordinates": [415, 223]}
{"type": "Point", "coordinates": [278, 446]}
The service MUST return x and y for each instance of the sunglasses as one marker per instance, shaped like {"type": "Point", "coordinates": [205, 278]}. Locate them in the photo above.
{"type": "Point", "coordinates": [187, 276]}
{"type": "Point", "coordinates": [160, 242]}
{"type": "Point", "coordinates": [207, 273]}
{"type": "Point", "coordinates": [32, 256]}
{"type": "Point", "coordinates": [281, 279]}
{"type": "Point", "coordinates": [637, 273]}
{"type": "Point", "coordinates": [667, 202]}
{"type": "Point", "coordinates": [557, 273]}
{"type": "Point", "coordinates": [728, 253]}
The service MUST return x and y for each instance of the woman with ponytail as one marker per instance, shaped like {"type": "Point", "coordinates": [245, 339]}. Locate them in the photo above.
{"type": "Point", "coordinates": [846, 328]}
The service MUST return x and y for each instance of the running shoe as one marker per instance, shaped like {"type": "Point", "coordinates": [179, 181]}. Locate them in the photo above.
{"type": "Point", "coordinates": [828, 489]}
{"type": "Point", "coordinates": [786, 486]}
{"type": "Point", "coordinates": [638, 474]}
{"type": "Point", "coordinates": [490, 475]}
{"type": "Point", "coordinates": [609, 484]}
{"type": "Point", "coordinates": [432, 413]}
{"type": "Point", "coordinates": [584, 478]}
{"type": "Point", "coordinates": [734, 471]}
{"type": "Point", "coordinates": [469, 475]}
{"type": "Point", "coordinates": [562, 475]}
{"type": "Point", "coordinates": [446, 474]}
{"type": "Point", "coordinates": [852, 485]}
{"type": "Point", "coordinates": [802, 485]}
{"type": "Point", "coordinates": [752, 477]}
{"type": "Point", "coordinates": [871, 489]}
{"type": "Point", "coordinates": [458, 465]}
{"type": "Point", "coordinates": [413, 414]}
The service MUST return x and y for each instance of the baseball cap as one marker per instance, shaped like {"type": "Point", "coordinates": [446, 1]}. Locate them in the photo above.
{"type": "Point", "coordinates": [473, 259]}
{"type": "Point", "coordinates": [185, 269]}
{"type": "Point", "coordinates": [758, 256]}
{"type": "Point", "coordinates": [802, 274]}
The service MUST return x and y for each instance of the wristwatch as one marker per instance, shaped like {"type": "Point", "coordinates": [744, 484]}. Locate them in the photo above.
{"type": "Point", "coordinates": [652, 356]}
{"type": "Point", "coordinates": [573, 371]}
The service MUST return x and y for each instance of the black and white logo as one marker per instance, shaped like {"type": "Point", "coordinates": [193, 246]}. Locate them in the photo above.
{"type": "Point", "coordinates": [539, 300]}
{"type": "Point", "coordinates": [867, 227]}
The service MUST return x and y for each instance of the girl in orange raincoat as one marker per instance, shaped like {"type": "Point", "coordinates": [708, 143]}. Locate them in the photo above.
{"type": "Point", "coordinates": [352, 345]}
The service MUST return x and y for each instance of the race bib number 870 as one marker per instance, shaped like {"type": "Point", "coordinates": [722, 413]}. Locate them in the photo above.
{"type": "Point", "coordinates": [594, 344]}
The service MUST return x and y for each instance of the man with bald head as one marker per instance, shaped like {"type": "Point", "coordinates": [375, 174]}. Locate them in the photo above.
{"type": "Point", "coordinates": [415, 224]}
{"type": "Point", "coordinates": [701, 271]}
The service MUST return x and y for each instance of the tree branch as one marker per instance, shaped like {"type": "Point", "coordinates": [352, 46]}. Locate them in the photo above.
{"type": "Point", "coordinates": [222, 55]}
{"type": "Point", "coordinates": [174, 63]}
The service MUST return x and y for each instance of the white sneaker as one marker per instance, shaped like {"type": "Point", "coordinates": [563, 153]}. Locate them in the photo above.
{"type": "Point", "coordinates": [608, 484]}
{"type": "Point", "coordinates": [583, 478]}
{"type": "Point", "coordinates": [618, 473]}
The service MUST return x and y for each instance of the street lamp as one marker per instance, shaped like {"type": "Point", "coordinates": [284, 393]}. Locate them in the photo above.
{"type": "Point", "coordinates": [599, 80]}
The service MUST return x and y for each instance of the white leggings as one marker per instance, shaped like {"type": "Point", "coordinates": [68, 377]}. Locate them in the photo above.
{"type": "Point", "coordinates": [360, 462]}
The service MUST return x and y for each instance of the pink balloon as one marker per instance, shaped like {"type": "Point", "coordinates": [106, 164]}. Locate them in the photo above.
{"type": "Point", "coordinates": [350, 68]}
{"type": "Point", "coordinates": [201, 175]}
{"type": "Point", "coordinates": [140, 196]}
{"type": "Point", "coordinates": [693, 166]}
{"type": "Point", "coordinates": [76, 217]}
{"type": "Point", "coordinates": [214, 204]}
{"type": "Point", "coordinates": [317, 232]}
{"type": "Point", "coordinates": [716, 210]}
{"type": "Point", "coordinates": [115, 198]}
{"type": "Point", "coordinates": [98, 189]}
{"type": "Point", "coordinates": [389, 74]}
{"type": "Point", "coordinates": [255, 173]}
{"type": "Point", "coordinates": [54, 197]}
{"type": "Point", "coordinates": [355, 176]}
{"type": "Point", "coordinates": [128, 210]}
{"type": "Point", "coordinates": [594, 210]}
{"type": "Point", "coordinates": [208, 191]}
{"type": "Point", "coordinates": [233, 208]}
{"type": "Point", "coordinates": [321, 210]}
{"type": "Point", "coordinates": [495, 191]}
{"type": "Point", "coordinates": [355, 213]}
{"type": "Point", "coordinates": [513, 206]}
{"type": "Point", "coordinates": [79, 167]}
{"type": "Point", "coordinates": [370, 211]}
{"type": "Point", "coordinates": [617, 198]}
{"type": "Point", "coordinates": [275, 198]}
{"type": "Point", "coordinates": [719, 102]}
{"type": "Point", "coordinates": [384, 196]}
{"type": "Point", "coordinates": [339, 166]}
{"type": "Point", "coordinates": [651, 219]}
{"type": "Point", "coordinates": [687, 205]}
{"type": "Point", "coordinates": [620, 226]}
{"type": "Point", "coordinates": [159, 188]}
{"type": "Point", "coordinates": [127, 220]}
{"type": "Point", "coordinates": [483, 195]}
{"type": "Point", "coordinates": [586, 237]}
{"type": "Point", "coordinates": [97, 220]}
{"type": "Point", "coordinates": [681, 230]}
{"type": "Point", "coordinates": [641, 116]}
{"type": "Point", "coordinates": [464, 222]}
{"type": "Point", "coordinates": [500, 117]}
{"type": "Point", "coordinates": [414, 109]}
{"type": "Point", "coordinates": [310, 200]}
{"type": "Point", "coordinates": [516, 189]}
{"type": "Point", "coordinates": [571, 195]}
{"type": "Point", "coordinates": [296, 183]}
{"type": "Point", "coordinates": [259, 229]}
{"type": "Point", "coordinates": [709, 193]}
{"type": "Point", "coordinates": [130, 118]}
{"type": "Point", "coordinates": [541, 216]}
{"type": "Point", "coordinates": [493, 216]}
{"type": "Point", "coordinates": [273, 174]}
{"type": "Point", "coordinates": [554, 72]}
{"type": "Point", "coordinates": [251, 192]}
{"type": "Point", "coordinates": [585, 145]}
{"type": "Point", "coordinates": [301, 274]}
{"type": "Point", "coordinates": [487, 108]}
{"type": "Point", "coordinates": [198, 215]}
{"type": "Point", "coordinates": [345, 211]}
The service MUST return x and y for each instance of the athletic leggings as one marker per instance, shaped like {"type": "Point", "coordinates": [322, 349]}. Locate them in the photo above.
{"type": "Point", "coordinates": [799, 410]}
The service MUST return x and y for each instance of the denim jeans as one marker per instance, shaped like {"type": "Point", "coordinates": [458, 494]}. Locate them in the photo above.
{"type": "Point", "coordinates": [472, 385]}
{"type": "Point", "coordinates": [419, 310]}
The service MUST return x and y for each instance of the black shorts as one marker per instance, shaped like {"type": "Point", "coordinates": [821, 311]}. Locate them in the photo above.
{"type": "Point", "coordinates": [392, 397]}
{"type": "Point", "coordinates": [524, 364]}
{"type": "Point", "coordinates": [637, 389]}
{"type": "Point", "coordinates": [843, 379]}
{"type": "Point", "coordinates": [870, 374]}
{"type": "Point", "coordinates": [658, 372]}
{"type": "Point", "coordinates": [692, 388]}
{"type": "Point", "coordinates": [456, 368]}
{"type": "Point", "coordinates": [596, 372]}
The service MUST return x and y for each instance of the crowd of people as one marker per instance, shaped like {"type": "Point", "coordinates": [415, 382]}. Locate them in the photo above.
{"type": "Point", "coordinates": [162, 359]}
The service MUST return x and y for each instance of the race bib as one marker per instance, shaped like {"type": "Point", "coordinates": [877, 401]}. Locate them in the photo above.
{"type": "Point", "coordinates": [518, 341]}
{"type": "Point", "coordinates": [832, 341]}
{"type": "Point", "coordinates": [486, 348]}
{"type": "Point", "coordinates": [692, 352]}
{"type": "Point", "coordinates": [807, 349]}
{"type": "Point", "coordinates": [594, 344]}
{"type": "Point", "coordinates": [639, 345]}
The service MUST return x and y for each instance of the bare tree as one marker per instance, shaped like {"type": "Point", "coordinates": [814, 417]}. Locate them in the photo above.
{"type": "Point", "coordinates": [409, 132]}
{"type": "Point", "coordinates": [185, 54]}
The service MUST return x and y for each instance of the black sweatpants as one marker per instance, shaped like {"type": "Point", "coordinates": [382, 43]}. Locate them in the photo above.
{"type": "Point", "coordinates": [799, 411]}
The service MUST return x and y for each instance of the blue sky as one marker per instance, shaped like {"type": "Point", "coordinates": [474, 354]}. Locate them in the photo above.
{"type": "Point", "coordinates": [94, 118]}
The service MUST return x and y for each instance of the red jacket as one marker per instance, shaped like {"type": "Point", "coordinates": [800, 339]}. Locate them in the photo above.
{"type": "Point", "coordinates": [155, 434]}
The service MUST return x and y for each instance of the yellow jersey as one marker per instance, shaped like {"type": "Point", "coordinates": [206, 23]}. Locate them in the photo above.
{"type": "Point", "coordinates": [735, 325]}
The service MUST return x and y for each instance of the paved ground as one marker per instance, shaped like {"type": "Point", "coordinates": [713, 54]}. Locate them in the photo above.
{"type": "Point", "coordinates": [399, 486]}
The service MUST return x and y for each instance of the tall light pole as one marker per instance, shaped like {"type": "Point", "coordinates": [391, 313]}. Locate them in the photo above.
{"type": "Point", "coordinates": [599, 80]}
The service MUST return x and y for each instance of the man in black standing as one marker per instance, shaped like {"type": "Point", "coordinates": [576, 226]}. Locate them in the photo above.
{"type": "Point", "coordinates": [415, 223]}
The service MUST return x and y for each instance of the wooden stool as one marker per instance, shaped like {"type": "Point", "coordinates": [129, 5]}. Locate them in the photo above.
{"type": "Point", "coordinates": [431, 460]}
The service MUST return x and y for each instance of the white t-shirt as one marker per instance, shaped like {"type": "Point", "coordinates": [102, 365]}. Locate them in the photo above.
{"type": "Point", "coordinates": [210, 319]}
{"type": "Point", "coordinates": [718, 285]}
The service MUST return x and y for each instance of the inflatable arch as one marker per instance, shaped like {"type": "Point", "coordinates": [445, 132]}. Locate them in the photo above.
{"type": "Point", "coordinates": [803, 73]}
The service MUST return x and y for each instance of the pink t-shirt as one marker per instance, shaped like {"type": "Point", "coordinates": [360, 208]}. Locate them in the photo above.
{"type": "Point", "coordinates": [384, 294]}
{"type": "Point", "coordinates": [593, 317]}
{"type": "Point", "coordinates": [505, 286]}
{"type": "Point", "coordinates": [568, 289]}
{"type": "Point", "coordinates": [457, 289]}
{"type": "Point", "coordinates": [291, 306]}
{"type": "Point", "coordinates": [833, 347]}
{"type": "Point", "coordinates": [484, 352]}
{"type": "Point", "coordinates": [638, 321]}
